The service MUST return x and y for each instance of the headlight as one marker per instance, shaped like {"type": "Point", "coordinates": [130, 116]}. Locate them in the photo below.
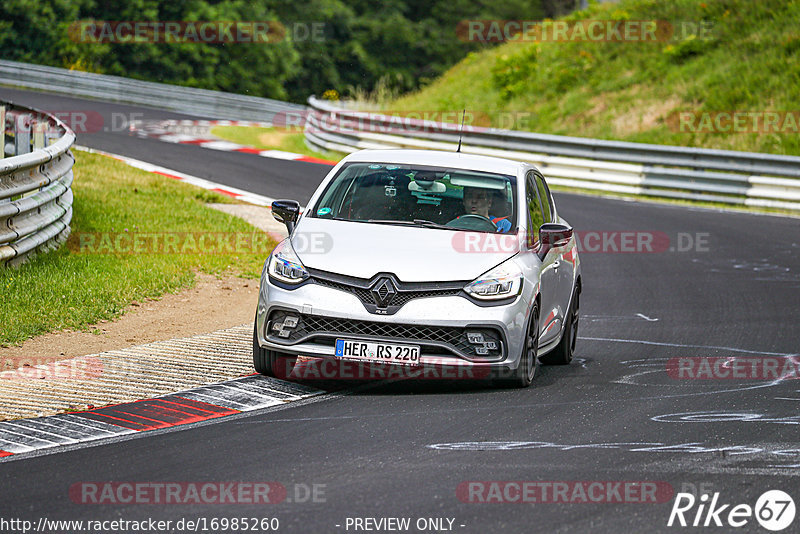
{"type": "Point", "coordinates": [284, 265]}
{"type": "Point", "coordinates": [502, 282]}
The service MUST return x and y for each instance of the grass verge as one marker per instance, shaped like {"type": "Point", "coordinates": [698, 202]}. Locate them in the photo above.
{"type": "Point", "coordinates": [271, 139]}
{"type": "Point", "coordinates": [100, 271]}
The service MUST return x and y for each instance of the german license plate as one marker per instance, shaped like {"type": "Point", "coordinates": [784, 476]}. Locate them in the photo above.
{"type": "Point", "coordinates": [349, 349]}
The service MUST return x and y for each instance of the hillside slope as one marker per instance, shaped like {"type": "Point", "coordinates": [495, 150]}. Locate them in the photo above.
{"type": "Point", "coordinates": [724, 56]}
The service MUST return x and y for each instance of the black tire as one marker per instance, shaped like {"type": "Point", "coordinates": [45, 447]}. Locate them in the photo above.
{"type": "Point", "coordinates": [529, 363]}
{"type": "Point", "coordinates": [262, 360]}
{"type": "Point", "coordinates": [563, 352]}
{"type": "Point", "coordinates": [269, 362]}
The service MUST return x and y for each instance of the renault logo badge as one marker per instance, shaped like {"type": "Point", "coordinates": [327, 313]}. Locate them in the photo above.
{"type": "Point", "coordinates": [383, 292]}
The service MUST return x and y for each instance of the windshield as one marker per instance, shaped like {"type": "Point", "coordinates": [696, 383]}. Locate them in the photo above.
{"type": "Point", "coordinates": [435, 197]}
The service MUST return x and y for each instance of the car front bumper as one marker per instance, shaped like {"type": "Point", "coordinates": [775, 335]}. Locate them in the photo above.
{"type": "Point", "coordinates": [438, 325]}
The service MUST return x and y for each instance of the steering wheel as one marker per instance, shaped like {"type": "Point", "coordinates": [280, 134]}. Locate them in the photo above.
{"type": "Point", "coordinates": [473, 222]}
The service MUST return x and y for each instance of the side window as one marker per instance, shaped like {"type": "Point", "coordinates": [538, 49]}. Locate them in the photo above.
{"type": "Point", "coordinates": [545, 198]}
{"type": "Point", "coordinates": [534, 210]}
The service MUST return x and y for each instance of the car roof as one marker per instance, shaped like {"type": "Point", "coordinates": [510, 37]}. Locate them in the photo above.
{"type": "Point", "coordinates": [438, 158]}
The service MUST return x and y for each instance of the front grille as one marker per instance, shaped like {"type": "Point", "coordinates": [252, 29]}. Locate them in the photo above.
{"type": "Point", "coordinates": [407, 296]}
{"type": "Point", "coordinates": [363, 294]}
{"type": "Point", "coordinates": [437, 339]}
{"type": "Point", "coordinates": [406, 292]}
{"type": "Point", "coordinates": [402, 297]}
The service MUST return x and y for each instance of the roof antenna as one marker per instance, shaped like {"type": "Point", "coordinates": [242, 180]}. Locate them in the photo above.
{"type": "Point", "coordinates": [461, 130]}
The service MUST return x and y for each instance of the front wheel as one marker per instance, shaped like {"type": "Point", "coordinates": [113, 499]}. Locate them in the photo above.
{"type": "Point", "coordinates": [529, 363]}
{"type": "Point", "coordinates": [562, 354]}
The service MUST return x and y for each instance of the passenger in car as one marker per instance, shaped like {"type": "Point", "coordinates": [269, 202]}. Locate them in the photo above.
{"type": "Point", "coordinates": [500, 206]}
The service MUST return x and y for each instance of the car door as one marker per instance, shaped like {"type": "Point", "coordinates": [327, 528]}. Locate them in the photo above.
{"type": "Point", "coordinates": [548, 287]}
{"type": "Point", "coordinates": [564, 263]}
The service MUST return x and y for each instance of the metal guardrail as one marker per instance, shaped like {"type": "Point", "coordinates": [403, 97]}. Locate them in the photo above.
{"type": "Point", "coordinates": [35, 183]}
{"type": "Point", "coordinates": [745, 178]}
{"type": "Point", "coordinates": [189, 100]}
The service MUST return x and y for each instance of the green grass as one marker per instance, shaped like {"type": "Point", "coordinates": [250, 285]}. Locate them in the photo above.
{"type": "Point", "coordinates": [70, 288]}
{"type": "Point", "coordinates": [276, 139]}
{"type": "Point", "coordinates": [632, 91]}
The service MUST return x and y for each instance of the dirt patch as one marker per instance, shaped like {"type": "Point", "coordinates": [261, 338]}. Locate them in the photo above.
{"type": "Point", "coordinates": [644, 112]}
{"type": "Point", "coordinates": [645, 116]}
{"type": "Point", "coordinates": [273, 138]}
{"type": "Point", "coordinates": [599, 105]}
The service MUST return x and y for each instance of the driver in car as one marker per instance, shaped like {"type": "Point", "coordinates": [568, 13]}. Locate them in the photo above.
{"type": "Point", "coordinates": [477, 202]}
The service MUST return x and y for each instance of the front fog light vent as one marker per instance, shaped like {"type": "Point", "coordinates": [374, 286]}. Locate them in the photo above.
{"type": "Point", "coordinates": [481, 345]}
{"type": "Point", "coordinates": [284, 327]}
{"type": "Point", "coordinates": [475, 338]}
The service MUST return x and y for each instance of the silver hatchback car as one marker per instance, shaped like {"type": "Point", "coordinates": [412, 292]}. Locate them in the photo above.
{"type": "Point", "coordinates": [422, 259]}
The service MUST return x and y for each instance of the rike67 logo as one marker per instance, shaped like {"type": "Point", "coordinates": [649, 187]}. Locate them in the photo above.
{"type": "Point", "coordinates": [774, 510]}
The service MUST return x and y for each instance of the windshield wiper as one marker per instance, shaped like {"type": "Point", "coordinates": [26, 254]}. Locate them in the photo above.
{"type": "Point", "coordinates": [416, 222]}
{"type": "Point", "coordinates": [431, 224]}
{"type": "Point", "coordinates": [391, 221]}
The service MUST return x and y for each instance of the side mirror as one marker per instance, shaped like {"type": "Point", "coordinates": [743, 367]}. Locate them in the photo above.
{"type": "Point", "coordinates": [554, 234]}
{"type": "Point", "coordinates": [287, 212]}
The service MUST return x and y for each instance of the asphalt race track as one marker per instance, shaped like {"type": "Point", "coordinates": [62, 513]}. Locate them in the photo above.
{"type": "Point", "coordinates": [106, 128]}
{"type": "Point", "coordinates": [717, 285]}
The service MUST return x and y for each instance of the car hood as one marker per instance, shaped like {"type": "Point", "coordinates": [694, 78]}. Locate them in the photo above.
{"type": "Point", "coordinates": [413, 254]}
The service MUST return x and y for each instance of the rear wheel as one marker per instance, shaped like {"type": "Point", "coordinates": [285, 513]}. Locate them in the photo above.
{"type": "Point", "coordinates": [269, 362]}
{"type": "Point", "coordinates": [529, 363]}
{"type": "Point", "coordinates": [562, 354]}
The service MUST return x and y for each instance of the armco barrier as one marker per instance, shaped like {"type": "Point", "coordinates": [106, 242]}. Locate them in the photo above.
{"type": "Point", "coordinates": [200, 102]}
{"type": "Point", "coordinates": [751, 179]}
{"type": "Point", "coordinates": [35, 180]}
